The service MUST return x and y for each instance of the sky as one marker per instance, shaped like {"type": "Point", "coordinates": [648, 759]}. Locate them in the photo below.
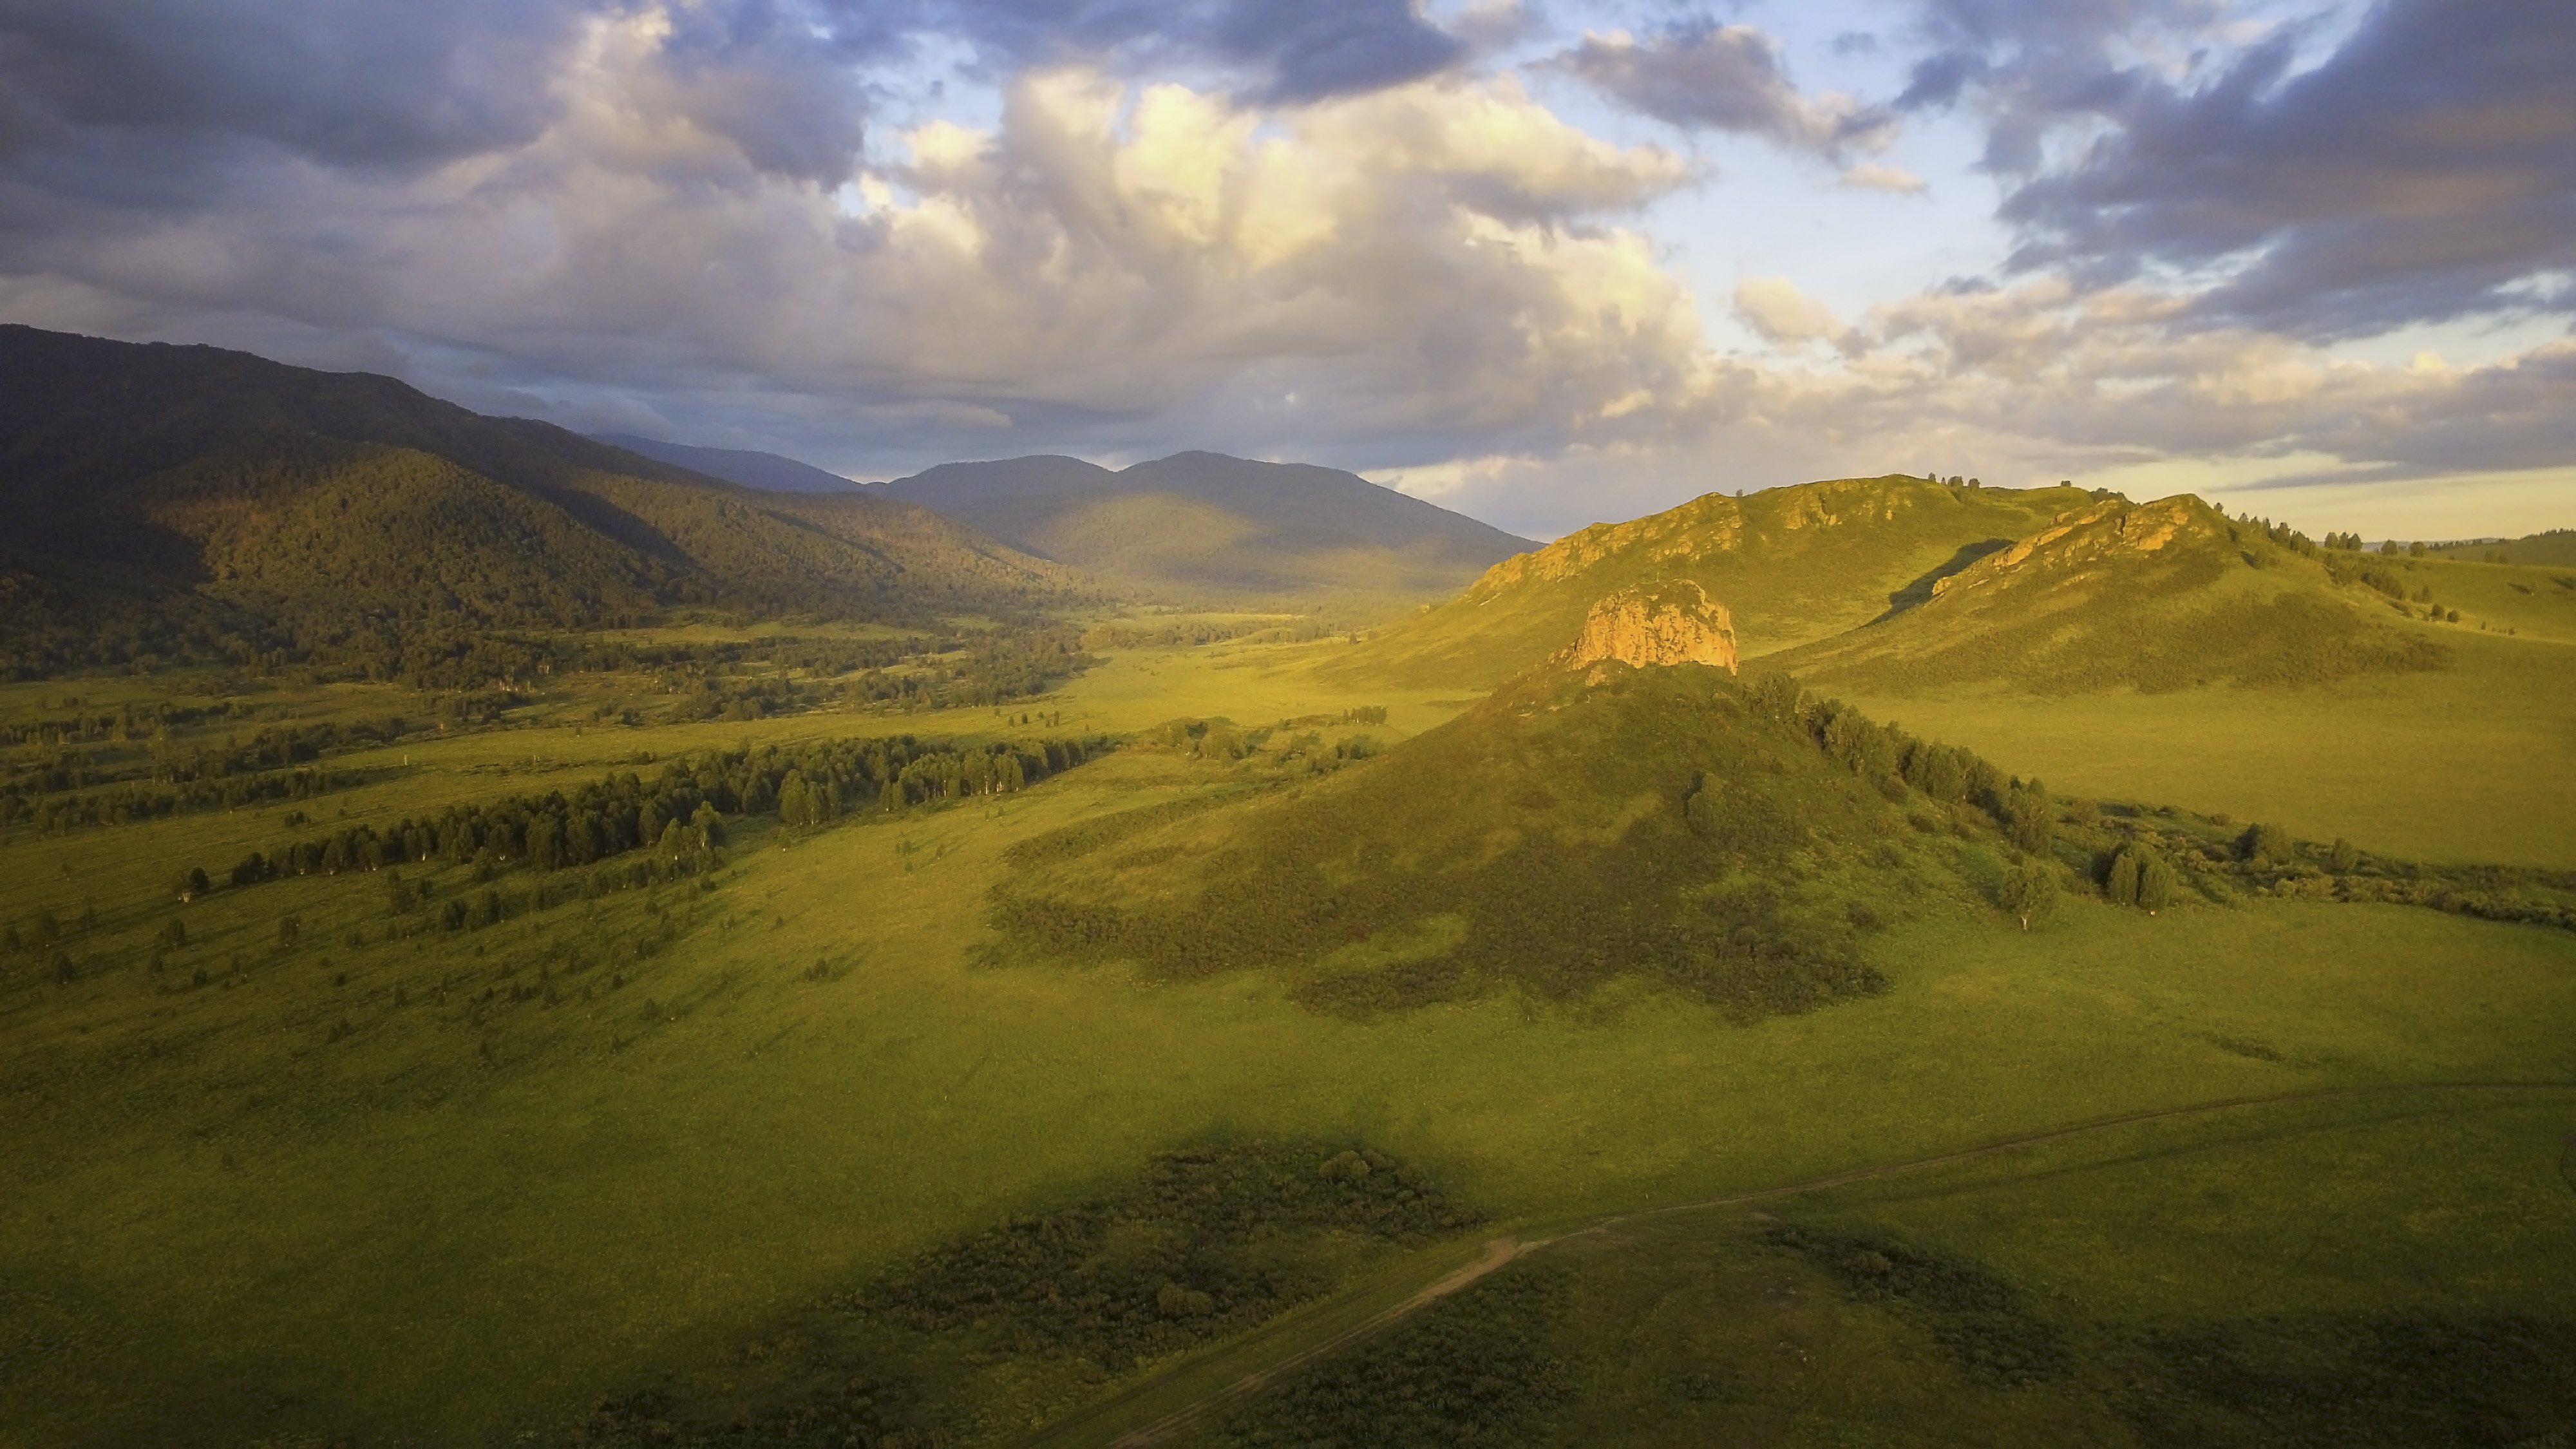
{"type": "Point", "coordinates": [1543, 262]}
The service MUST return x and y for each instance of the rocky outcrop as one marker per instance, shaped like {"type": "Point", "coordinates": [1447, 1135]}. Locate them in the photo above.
{"type": "Point", "coordinates": [1673, 622]}
{"type": "Point", "coordinates": [2088, 538]}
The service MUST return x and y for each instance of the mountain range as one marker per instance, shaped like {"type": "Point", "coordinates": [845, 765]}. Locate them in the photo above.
{"type": "Point", "coordinates": [171, 502]}
{"type": "Point", "coordinates": [1203, 526]}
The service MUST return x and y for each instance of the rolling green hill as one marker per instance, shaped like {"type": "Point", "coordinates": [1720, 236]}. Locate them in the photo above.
{"type": "Point", "coordinates": [2157, 596]}
{"type": "Point", "coordinates": [175, 502]}
{"type": "Point", "coordinates": [1204, 527]}
{"type": "Point", "coordinates": [2555, 548]}
{"type": "Point", "coordinates": [1794, 564]}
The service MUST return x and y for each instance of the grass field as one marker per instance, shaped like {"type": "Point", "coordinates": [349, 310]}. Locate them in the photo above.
{"type": "Point", "coordinates": [2474, 763]}
{"type": "Point", "coordinates": [457, 1189]}
{"type": "Point", "coordinates": [2379, 1269]}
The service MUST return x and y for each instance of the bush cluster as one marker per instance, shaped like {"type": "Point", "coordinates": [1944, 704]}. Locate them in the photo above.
{"type": "Point", "coordinates": [1204, 1247]}
{"type": "Point", "coordinates": [1478, 1368]}
{"type": "Point", "coordinates": [1981, 1319]}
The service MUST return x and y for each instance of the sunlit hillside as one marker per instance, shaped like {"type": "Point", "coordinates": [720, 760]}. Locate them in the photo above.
{"type": "Point", "coordinates": [1795, 564]}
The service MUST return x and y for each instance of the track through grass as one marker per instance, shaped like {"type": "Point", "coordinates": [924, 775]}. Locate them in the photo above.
{"type": "Point", "coordinates": [1502, 1251]}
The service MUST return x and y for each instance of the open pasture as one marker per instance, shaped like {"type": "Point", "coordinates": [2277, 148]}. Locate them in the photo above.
{"type": "Point", "coordinates": [457, 1188]}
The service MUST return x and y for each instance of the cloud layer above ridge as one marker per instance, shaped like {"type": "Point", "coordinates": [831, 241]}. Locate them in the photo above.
{"type": "Point", "coordinates": [1480, 250]}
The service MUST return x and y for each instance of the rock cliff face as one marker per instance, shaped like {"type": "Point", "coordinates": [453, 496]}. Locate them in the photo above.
{"type": "Point", "coordinates": [1673, 622]}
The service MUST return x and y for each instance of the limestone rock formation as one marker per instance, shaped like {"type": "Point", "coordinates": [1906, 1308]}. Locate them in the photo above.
{"type": "Point", "coordinates": [1672, 622]}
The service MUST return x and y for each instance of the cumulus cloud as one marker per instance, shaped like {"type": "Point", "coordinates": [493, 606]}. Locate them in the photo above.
{"type": "Point", "coordinates": [2067, 378]}
{"type": "Point", "coordinates": [686, 219]}
{"type": "Point", "coordinates": [1779, 312]}
{"type": "Point", "coordinates": [1875, 176]}
{"type": "Point", "coordinates": [1725, 78]}
{"type": "Point", "coordinates": [2424, 170]}
{"type": "Point", "coordinates": [1410, 264]}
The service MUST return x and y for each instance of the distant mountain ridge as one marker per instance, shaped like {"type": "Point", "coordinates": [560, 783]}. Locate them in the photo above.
{"type": "Point", "coordinates": [1205, 525]}
{"type": "Point", "coordinates": [169, 502]}
{"type": "Point", "coordinates": [770, 472]}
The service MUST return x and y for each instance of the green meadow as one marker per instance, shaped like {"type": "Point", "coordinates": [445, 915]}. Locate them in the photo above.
{"type": "Point", "coordinates": [2473, 763]}
{"type": "Point", "coordinates": [363, 1182]}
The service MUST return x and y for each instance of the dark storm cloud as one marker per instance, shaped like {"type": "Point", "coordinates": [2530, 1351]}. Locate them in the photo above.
{"type": "Point", "coordinates": [175, 88]}
{"type": "Point", "coordinates": [2427, 169]}
{"type": "Point", "coordinates": [345, 84]}
{"type": "Point", "coordinates": [1293, 50]}
{"type": "Point", "coordinates": [135, 89]}
{"type": "Point", "coordinates": [1722, 78]}
{"type": "Point", "coordinates": [2034, 64]}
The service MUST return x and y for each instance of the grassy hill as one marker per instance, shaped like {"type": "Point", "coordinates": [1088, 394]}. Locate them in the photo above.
{"type": "Point", "coordinates": [2157, 596]}
{"type": "Point", "coordinates": [1204, 527]}
{"type": "Point", "coordinates": [766, 471]}
{"type": "Point", "coordinates": [1794, 564]}
{"type": "Point", "coordinates": [2555, 548]}
{"type": "Point", "coordinates": [1665, 823]}
{"type": "Point", "coordinates": [173, 502]}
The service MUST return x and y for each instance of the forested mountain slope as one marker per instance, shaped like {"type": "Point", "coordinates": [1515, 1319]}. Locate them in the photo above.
{"type": "Point", "coordinates": [1209, 527]}
{"type": "Point", "coordinates": [2154, 596]}
{"type": "Point", "coordinates": [1794, 564]}
{"type": "Point", "coordinates": [174, 502]}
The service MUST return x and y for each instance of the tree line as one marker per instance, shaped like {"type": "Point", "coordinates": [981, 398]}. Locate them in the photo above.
{"type": "Point", "coordinates": [682, 808]}
{"type": "Point", "coordinates": [168, 779]}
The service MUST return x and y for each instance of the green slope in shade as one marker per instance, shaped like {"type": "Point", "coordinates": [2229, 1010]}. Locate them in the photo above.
{"type": "Point", "coordinates": [1792, 564]}
{"type": "Point", "coordinates": [187, 501]}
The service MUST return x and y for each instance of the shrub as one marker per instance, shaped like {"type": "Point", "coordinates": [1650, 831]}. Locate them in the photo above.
{"type": "Point", "coordinates": [2267, 845]}
{"type": "Point", "coordinates": [2029, 891]}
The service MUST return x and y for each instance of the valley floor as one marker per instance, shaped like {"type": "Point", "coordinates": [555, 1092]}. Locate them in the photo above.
{"type": "Point", "coordinates": [460, 1189]}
